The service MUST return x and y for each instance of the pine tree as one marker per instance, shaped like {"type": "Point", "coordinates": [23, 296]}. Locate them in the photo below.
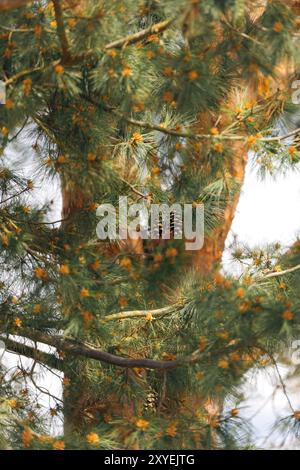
{"type": "Point", "coordinates": [159, 101]}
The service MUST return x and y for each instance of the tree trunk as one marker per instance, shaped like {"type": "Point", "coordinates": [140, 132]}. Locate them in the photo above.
{"type": "Point", "coordinates": [204, 260]}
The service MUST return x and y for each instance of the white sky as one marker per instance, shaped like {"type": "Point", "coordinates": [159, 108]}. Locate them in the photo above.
{"type": "Point", "coordinates": [268, 210]}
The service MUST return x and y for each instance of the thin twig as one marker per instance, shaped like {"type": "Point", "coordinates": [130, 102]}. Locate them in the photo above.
{"type": "Point", "coordinates": [279, 138]}
{"type": "Point", "coordinates": [23, 73]}
{"type": "Point", "coordinates": [49, 223]}
{"type": "Point", "coordinates": [244, 35]}
{"type": "Point", "coordinates": [75, 348]}
{"type": "Point", "coordinates": [283, 386]}
{"type": "Point", "coordinates": [124, 42]}
{"type": "Point", "coordinates": [19, 131]}
{"type": "Point", "coordinates": [142, 196]}
{"type": "Point", "coordinates": [14, 195]}
{"type": "Point", "coordinates": [136, 37]}
{"type": "Point", "coordinates": [282, 273]}
{"type": "Point", "coordinates": [160, 127]}
{"type": "Point", "coordinates": [44, 390]}
{"type": "Point", "coordinates": [142, 313]}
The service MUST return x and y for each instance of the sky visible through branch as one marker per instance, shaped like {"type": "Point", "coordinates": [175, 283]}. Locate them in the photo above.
{"type": "Point", "coordinates": [264, 215]}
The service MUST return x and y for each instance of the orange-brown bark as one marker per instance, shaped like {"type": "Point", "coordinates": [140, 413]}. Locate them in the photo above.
{"type": "Point", "coordinates": [11, 4]}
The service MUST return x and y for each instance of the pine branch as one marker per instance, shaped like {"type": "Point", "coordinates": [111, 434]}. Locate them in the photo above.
{"type": "Point", "coordinates": [282, 273]}
{"type": "Point", "coordinates": [138, 193]}
{"type": "Point", "coordinates": [143, 313]}
{"type": "Point", "coordinates": [128, 40]}
{"type": "Point", "coordinates": [23, 73]}
{"type": "Point", "coordinates": [279, 138]}
{"type": "Point", "coordinates": [75, 348]}
{"type": "Point", "coordinates": [160, 127]}
{"type": "Point", "coordinates": [240, 33]}
{"type": "Point", "coordinates": [33, 353]}
{"type": "Point", "coordinates": [188, 135]}
{"type": "Point", "coordinates": [61, 30]}
{"type": "Point", "coordinates": [173, 132]}
{"type": "Point", "coordinates": [136, 37]}
{"type": "Point", "coordinates": [157, 127]}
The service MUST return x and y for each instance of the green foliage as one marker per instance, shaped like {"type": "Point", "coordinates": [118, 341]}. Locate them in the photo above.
{"type": "Point", "coordinates": [139, 118]}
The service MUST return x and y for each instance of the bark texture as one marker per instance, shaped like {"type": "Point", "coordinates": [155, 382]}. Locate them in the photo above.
{"type": "Point", "coordinates": [205, 260]}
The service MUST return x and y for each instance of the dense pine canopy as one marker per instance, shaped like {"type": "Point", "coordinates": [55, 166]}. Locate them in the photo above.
{"type": "Point", "coordinates": [159, 101]}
